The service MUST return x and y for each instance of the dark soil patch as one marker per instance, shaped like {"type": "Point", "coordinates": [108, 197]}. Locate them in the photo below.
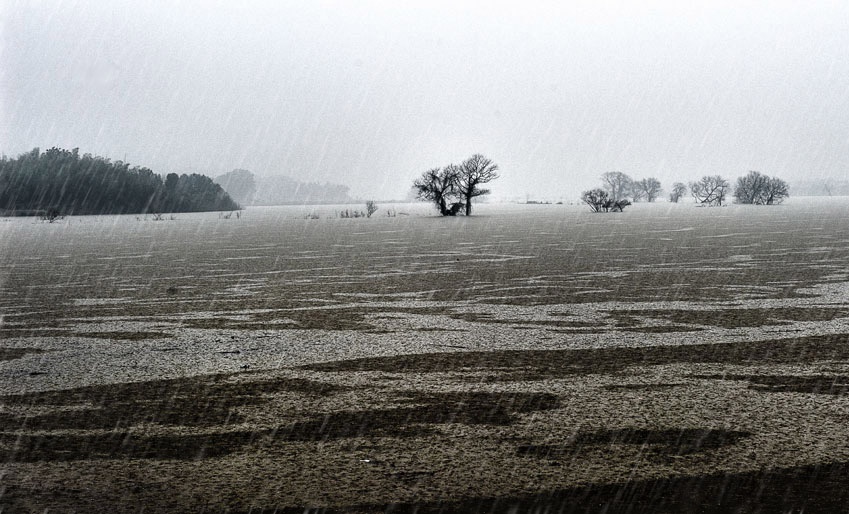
{"type": "Point", "coordinates": [641, 387]}
{"type": "Point", "coordinates": [731, 318]}
{"type": "Point", "coordinates": [122, 445]}
{"type": "Point", "coordinates": [9, 333]}
{"type": "Point", "coordinates": [192, 402]}
{"type": "Point", "coordinates": [348, 318]}
{"type": "Point", "coordinates": [8, 354]}
{"type": "Point", "coordinates": [540, 364]}
{"type": "Point", "coordinates": [439, 408]}
{"type": "Point", "coordinates": [489, 318]}
{"type": "Point", "coordinates": [124, 336]}
{"type": "Point", "coordinates": [819, 384]}
{"type": "Point", "coordinates": [664, 329]}
{"type": "Point", "coordinates": [659, 443]}
{"type": "Point", "coordinates": [430, 409]}
{"type": "Point", "coordinates": [823, 488]}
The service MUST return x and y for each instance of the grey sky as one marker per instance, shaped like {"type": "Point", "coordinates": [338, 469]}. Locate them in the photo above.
{"type": "Point", "coordinates": [372, 93]}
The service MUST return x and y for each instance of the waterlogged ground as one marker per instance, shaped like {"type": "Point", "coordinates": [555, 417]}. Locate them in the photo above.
{"type": "Point", "coordinates": [527, 359]}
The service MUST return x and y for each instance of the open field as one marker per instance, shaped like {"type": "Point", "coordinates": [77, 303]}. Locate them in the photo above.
{"type": "Point", "coordinates": [527, 359]}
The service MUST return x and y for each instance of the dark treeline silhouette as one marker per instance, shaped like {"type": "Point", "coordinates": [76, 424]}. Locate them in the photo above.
{"type": "Point", "coordinates": [63, 181]}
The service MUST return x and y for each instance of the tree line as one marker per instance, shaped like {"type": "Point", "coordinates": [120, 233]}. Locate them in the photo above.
{"type": "Point", "coordinates": [620, 190]}
{"type": "Point", "coordinates": [65, 182]}
{"type": "Point", "coordinates": [249, 189]}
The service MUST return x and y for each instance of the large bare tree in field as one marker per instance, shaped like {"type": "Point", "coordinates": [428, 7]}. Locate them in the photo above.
{"type": "Point", "coordinates": [710, 190]}
{"type": "Point", "coordinates": [648, 188]}
{"type": "Point", "coordinates": [618, 185]}
{"type": "Point", "coordinates": [474, 171]}
{"type": "Point", "coordinates": [679, 189]}
{"type": "Point", "coordinates": [439, 186]}
{"type": "Point", "coordinates": [759, 189]}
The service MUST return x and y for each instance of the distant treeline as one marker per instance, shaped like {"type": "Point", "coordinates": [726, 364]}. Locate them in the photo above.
{"type": "Point", "coordinates": [65, 182]}
{"type": "Point", "coordinates": [821, 187]}
{"type": "Point", "coordinates": [249, 189]}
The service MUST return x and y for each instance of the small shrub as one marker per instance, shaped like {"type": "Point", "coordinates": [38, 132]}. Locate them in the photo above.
{"type": "Point", "coordinates": [371, 208]}
{"type": "Point", "coordinates": [599, 201]}
{"type": "Point", "coordinates": [51, 215]}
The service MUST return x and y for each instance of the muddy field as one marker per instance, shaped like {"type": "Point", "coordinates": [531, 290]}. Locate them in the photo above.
{"type": "Point", "coordinates": [527, 359]}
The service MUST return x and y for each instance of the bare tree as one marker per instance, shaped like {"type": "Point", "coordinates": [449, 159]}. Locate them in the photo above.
{"type": "Point", "coordinates": [599, 201]}
{"type": "Point", "coordinates": [776, 191]}
{"type": "Point", "coordinates": [474, 171]}
{"type": "Point", "coordinates": [649, 188]}
{"type": "Point", "coordinates": [710, 190]}
{"type": "Point", "coordinates": [439, 186]}
{"type": "Point", "coordinates": [679, 189]}
{"type": "Point", "coordinates": [618, 185]}
{"type": "Point", "coordinates": [759, 189]}
{"type": "Point", "coordinates": [749, 187]}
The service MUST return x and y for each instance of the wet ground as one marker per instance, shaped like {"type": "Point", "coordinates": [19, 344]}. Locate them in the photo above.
{"type": "Point", "coordinates": [528, 359]}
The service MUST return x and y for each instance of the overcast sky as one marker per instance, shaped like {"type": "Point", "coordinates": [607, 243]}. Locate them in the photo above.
{"type": "Point", "coordinates": [372, 93]}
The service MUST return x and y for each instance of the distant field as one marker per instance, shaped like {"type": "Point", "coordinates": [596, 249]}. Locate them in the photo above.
{"type": "Point", "coordinates": [529, 357]}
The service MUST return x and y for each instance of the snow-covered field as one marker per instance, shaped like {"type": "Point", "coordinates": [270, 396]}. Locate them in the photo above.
{"type": "Point", "coordinates": [538, 348]}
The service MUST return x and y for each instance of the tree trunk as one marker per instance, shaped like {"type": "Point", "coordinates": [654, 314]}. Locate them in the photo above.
{"type": "Point", "coordinates": [468, 205]}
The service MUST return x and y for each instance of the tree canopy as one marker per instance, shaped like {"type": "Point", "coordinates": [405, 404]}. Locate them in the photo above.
{"type": "Point", "coordinates": [474, 171]}
{"type": "Point", "coordinates": [710, 190]}
{"type": "Point", "coordinates": [759, 189]}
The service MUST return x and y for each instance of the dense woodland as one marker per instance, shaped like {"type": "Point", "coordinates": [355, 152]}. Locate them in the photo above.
{"type": "Point", "coordinates": [65, 182]}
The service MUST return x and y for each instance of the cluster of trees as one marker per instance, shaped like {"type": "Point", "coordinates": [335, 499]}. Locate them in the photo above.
{"type": "Point", "coordinates": [619, 190]}
{"type": "Point", "coordinates": [759, 189]}
{"type": "Point", "coordinates": [620, 186]}
{"type": "Point", "coordinates": [753, 188]}
{"type": "Point", "coordinates": [61, 182]}
{"type": "Point", "coordinates": [249, 189]}
{"type": "Point", "coordinates": [452, 188]}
